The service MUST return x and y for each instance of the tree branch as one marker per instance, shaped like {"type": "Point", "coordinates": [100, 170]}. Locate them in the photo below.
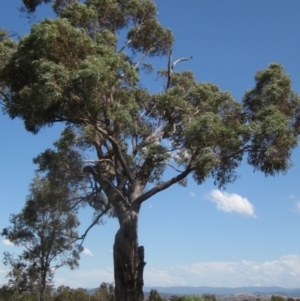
{"type": "Point", "coordinates": [163, 186]}
{"type": "Point", "coordinates": [96, 220]}
{"type": "Point", "coordinates": [119, 192]}
{"type": "Point", "coordinates": [130, 40]}
{"type": "Point", "coordinates": [172, 66]}
{"type": "Point", "coordinates": [140, 60]}
{"type": "Point", "coordinates": [157, 135]}
{"type": "Point", "coordinates": [117, 152]}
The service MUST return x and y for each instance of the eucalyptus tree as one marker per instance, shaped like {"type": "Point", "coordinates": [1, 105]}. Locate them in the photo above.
{"type": "Point", "coordinates": [46, 230]}
{"type": "Point", "coordinates": [155, 296]}
{"type": "Point", "coordinates": [105, 292]}
{"type": "Point", "coordinates": [65, 293]}
{"type": "Point", "coordinates": [83, 69]}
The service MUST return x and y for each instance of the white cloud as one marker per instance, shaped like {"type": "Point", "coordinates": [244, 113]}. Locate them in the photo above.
{"type": "Point", "coordinates": [284, 272]}
{"type": "Point", "coordinates": [232, 202]}
{"type": "Point", "coordinates": [297, 207]}
{"type": "Point", "coordinates": [155, 277]}
{"type": "Point", "coordinates": [192, 194]}
{"type": "Point", "coordinates": [84, 279]}
{"type": "Point", "coordinates": [7, 242]}
{"type": "Point", "coordinates": [87, 252]}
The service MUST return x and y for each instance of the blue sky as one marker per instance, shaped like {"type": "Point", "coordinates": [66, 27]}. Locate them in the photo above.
{"type": "Point", "coordinates": [198, 236]}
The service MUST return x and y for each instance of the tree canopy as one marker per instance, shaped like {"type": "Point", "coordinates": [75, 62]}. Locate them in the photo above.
{"type": "Point", "coordinates": [76, 72]}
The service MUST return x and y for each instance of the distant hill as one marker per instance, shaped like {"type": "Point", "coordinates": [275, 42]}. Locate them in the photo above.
{"type": "Point", "coordinates": [239, 292]}
{"type": "Point", "coordinates": [253, 290]}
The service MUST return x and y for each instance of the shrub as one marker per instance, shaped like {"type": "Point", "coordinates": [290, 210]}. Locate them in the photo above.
{"type": "Point", "coordinates": [191, 298]}
{"type": "Point", "coordinates": [277, 298]}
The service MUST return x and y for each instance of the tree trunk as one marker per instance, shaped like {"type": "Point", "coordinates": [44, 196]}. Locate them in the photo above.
{"type": "Point", "coordinates": [128, 259]}
{"type": "Point", "coordinates": [42, 289]}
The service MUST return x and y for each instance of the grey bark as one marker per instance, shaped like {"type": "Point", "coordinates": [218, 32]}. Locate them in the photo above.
{"type": "Point", "coordinates": [128, 259]}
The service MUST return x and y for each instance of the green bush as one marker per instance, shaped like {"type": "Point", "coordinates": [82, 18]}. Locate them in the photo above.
{"type": "Point", "coordinates": [191, 298]}
{"type": "Point", "coordinates": [277, 298]}
{"type": "Point", "coordinates": [208, 297]}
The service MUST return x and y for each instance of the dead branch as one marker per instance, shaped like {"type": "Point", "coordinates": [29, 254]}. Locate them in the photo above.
{"type": "Point", "coordinates": [172, 66]}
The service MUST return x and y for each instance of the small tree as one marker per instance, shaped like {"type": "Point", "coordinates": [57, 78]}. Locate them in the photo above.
{"type": "Point", "coordinates": [106, 292]}
{"type": "Point", "coordinates": [80, 294]}
{"type": "Point", "coordinates": [63, 293]}
{"type": "Point", "coordinates": [7, 293]}
{"type": "Point", "coordinates": [45, 228]}
{"type": "Point", "coordinates": [76, 70]}
{"type": "Point", "coordinates": [155, 296]}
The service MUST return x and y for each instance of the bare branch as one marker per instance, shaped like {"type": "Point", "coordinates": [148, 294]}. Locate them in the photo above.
{"type": "Point", "coordinates": [158, 133]}
{"type": "Point", "coordinates": [125, 45]}
{"type": "Point", "coordinates": [98, 161]}
{"type": "Point", "coordinates": [170, 70]}
{"type": "Point", "coordinates": [95, 222]}
{"type": "Point", "coordinates": [172, 66]}
{"type": "Point", "coordinates": [140, 60]}
{"type": "Point", "coordinates": [181, 60]}
{"type": "Point", "coordinates": [150, 110]}
{"type": "Point", "coordinates": [170, 165]}
{"type": "Point", "coordinates": [130, 40]}
{"type": "Point", "coordinates": [163, 186]}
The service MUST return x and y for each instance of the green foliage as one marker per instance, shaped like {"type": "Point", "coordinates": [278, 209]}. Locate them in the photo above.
{"type": "Point", "coordinates": [154, 296]}
{"type": "Point", "coordinates": [7, 48]}
{"type": "Point", "coordinates": [81, 16]}
{"type": "Point", "coordinates": [66, 293]}
{"type": "Point", "coordinates": [277, 298]}
{"type": "Point", "coordinates": [271, 109]}
{"type": "Point", "coordinates": [46, 226]}
{"type": "Point", "coordinates": [105, 292]}
{"type": "Point", "coordinates": [208, 297]}
{"type": "Point", "coordinates": [71, 70]}
{"type": "Point", "coordinates": [7, 293]}
{"type": "Point", "coordinates": [31, 5]}
{"type": "Point", "coordinates": [191, 298]}
{"type": "Point", "coordinates": [46, 229]}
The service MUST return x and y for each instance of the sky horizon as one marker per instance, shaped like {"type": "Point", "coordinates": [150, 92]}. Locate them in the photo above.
{"type": "Point", "coordinates": [246, 235]}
